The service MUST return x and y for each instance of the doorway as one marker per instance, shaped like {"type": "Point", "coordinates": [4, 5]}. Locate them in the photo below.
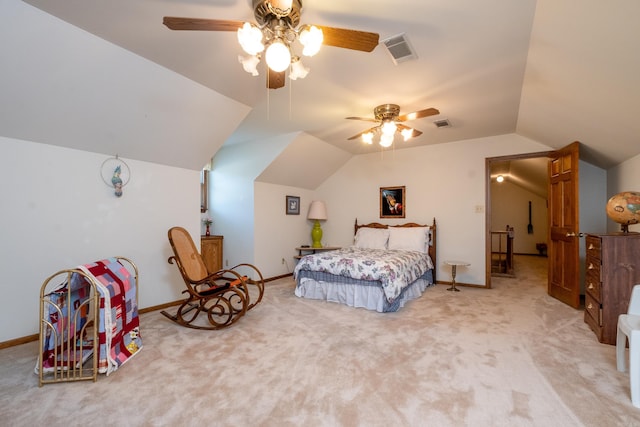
{"type": "Point", "coordinates": [516, 211]}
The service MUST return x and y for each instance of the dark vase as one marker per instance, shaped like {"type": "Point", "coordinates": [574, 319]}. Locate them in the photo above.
{"type": "Point", "coordinates": [207, 232]}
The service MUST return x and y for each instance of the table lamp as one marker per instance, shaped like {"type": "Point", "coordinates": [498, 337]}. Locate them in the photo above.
{"type": "Point", "coordinates": [317, 212]}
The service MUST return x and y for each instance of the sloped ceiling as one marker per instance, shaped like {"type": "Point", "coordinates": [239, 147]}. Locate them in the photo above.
{"type": "Point", "coordinates": [554, 71]}
{"type": "Point", "coordinates": [63, 86]}
{"type": "Point", "coordinates": [582, 81]}
{"type": "Point", "coordinates": [530, 174]}
{"type": "Point", "coordinates": [312, 170]}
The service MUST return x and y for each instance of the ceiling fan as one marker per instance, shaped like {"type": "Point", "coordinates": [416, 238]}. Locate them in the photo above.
{"type": "Point", "coordinates": [275, 31]}
{"type": "Point", "coordinates": [389, 119]}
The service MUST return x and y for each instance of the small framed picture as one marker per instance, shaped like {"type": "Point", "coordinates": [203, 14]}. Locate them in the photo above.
{"type": "Point", "coordinates": [392, 202]}
{"type": "Point", "coordinates": [293, 205]}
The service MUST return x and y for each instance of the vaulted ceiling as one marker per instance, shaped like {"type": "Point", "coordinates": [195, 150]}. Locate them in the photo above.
{"type": "Point", "coordinates": [555, 71]}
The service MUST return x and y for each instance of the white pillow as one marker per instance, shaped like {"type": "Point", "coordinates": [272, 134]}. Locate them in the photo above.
{"type": "Point", "coordinates": [409, 238]}
{"type": "Point", "coordinates": [372, 238]}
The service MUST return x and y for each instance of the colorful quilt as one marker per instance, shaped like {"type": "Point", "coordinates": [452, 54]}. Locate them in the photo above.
{"type": "Point", "coordinates": [119, 325]}
{"type": "Point", "coordinates": [395, 269]}
{"type": "Point", "coordinates": [66, 312]}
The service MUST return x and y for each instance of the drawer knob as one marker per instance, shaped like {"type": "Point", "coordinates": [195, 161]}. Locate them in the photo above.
{"type": "Point", "coordinates": [591, 267]}
{"type": "Point", "coordinates": [591, 246]}
{"type": "Point", "coordinates": [590, 306]}
{"type": "Point", "coordinates": [590, 285]}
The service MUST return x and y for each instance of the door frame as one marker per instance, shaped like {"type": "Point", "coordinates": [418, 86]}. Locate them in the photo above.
{"type": "Point", "coordinates": [489, 161]}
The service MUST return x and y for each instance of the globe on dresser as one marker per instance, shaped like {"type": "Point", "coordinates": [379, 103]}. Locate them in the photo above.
{"type": "Point", "coordinates": [624, 208]}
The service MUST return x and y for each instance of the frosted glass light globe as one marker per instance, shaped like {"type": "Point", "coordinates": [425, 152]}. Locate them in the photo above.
{"type": "Point", "coordinates": [250, 39]}
{"type": "Point", "coordinates": [389, 128]}
{"type": "Point", "coordinates": [386, 140]}
{"type": "Point", "coordinates": [278, 56]}
{"type": "Point", "coordinates": [311, 38]}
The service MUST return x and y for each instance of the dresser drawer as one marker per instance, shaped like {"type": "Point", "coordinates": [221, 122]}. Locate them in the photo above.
{"type": "Point", "coordinates": [592, 285]}
{"type": "Point", "coordinates": [593, 245]}
{"type": "Point", "coordinates": [593, 309]}
{"type": "Point", "coordinates": [593, 266]}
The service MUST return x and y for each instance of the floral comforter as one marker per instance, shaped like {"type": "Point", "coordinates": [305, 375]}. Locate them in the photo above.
{"type": "Point", "coordinates": [395, 269]}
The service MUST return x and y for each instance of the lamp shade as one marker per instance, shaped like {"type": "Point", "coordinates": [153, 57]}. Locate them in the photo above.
{"type": "Point", "coordinates": [317, 210]}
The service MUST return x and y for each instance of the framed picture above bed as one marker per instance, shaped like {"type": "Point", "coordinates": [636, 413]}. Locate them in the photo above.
{"type": "Point", "coordinates": [392, 202]}
{"type": "Point", "coordinates": [293, 205]}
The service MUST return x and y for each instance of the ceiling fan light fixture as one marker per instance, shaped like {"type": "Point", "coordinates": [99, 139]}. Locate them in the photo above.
{"type": "Point", "coordinates": [278, 56]}
{"type": "Point", "coordinates": [250, 64]}
{"type": "Point", "coordinates": [311, 38]}
{"type": "Point", "coordinates": [298, 70]}
{"type": "Point", "coordinates": [406, 133]}
{"type": "Point", "coordinates": [389, 128]}
{"type": "Point", "coordinates": [250, 39]}
{"type": "Point", "coordinates": [280, 8]}
{"type": "Point", "coordinates": [386, 140]}
{"type": "Point", "coordinates": [277, 25]}
{"type": "Point", "coordinates": [367, 137]}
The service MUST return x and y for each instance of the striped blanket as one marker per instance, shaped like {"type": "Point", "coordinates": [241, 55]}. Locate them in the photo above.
{"type": "Point", "coordinates": [119, 331]}
{"type": "Point", "coordinates": [119, 325]}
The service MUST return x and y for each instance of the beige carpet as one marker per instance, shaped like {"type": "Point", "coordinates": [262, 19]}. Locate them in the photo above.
{"type": "Point", "coordinates": [509, 356]}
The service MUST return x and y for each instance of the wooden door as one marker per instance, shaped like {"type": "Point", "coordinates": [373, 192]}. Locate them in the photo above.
{"type": "Point", "coordinates": [564, 243]}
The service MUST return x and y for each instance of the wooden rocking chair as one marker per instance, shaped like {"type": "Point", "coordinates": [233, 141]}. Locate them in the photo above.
{"type": "Point", "coordinates": [225, 295]}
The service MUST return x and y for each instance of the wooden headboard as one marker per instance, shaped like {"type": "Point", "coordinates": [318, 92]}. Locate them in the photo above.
{"type": "Point", "coordinates": [432, 236]}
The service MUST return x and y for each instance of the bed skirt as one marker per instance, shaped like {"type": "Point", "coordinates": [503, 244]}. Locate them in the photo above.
{"type": "Point", "coordinates": [369, 297]}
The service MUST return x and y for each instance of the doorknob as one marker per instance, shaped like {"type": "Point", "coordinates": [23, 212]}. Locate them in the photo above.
{"type": "Point", "coordinates": [573, 234]}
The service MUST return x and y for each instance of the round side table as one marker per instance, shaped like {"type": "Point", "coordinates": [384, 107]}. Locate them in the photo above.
{"type": "Point", "coordinates": [454, 265]}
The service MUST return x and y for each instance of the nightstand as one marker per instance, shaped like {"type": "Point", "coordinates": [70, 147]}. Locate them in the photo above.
{"type": "Point", "coordinates": [302, 251]}
{"type": "Point", "coordinates": [454, 265]}
{"type": "Point", "coordinates": [211, 249]}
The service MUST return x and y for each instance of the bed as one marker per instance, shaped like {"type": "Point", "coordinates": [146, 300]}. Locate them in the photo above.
{"type": "Point", "coordinates": [386, 267]}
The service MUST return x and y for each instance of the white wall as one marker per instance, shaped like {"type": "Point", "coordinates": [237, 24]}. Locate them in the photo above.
{"type": "Point", "coordinates": [623, 177]}
{"type": "Point", "coordinates": [592, 200]}
{"type": "Point", "coordinates": [276, 233]}
{"type": "Point", "coordinates": [58, 213]}
{"type": "Point", "coordinates": [510, 206]}
{"type": "Point", "coordinates": [232, 199]}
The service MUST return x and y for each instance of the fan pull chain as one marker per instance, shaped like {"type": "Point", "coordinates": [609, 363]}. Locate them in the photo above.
{"type": "Point", "coordinates": [268, 99]}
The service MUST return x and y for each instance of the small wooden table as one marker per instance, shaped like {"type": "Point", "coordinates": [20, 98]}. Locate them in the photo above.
{"type": "Point", "coordinates": [454, 265]}
{"type": "Point", "coordinates": [312, 250]}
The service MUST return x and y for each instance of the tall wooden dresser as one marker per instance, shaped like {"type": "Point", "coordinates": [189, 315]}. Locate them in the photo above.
{"type": "Point", "coordinates": [612, 269]}
{"type": "Point", "coordinates": [211, 248]}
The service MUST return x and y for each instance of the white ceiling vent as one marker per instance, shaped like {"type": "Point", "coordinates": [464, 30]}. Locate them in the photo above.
{"type": "Point", "coordinates": [443, 123]}
{"type": "Point", "coordinates": [399, 48]}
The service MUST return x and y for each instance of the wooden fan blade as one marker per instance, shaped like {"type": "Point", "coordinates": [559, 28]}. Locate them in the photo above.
{"type": "Point", "coordinates": [418, 114]}
{"type": "Point", "coordinates": [275, 80]}
{"type": "Point", "coordinates": [360, 134]}
{"type": "Point", "coordinates": [364, 119]}
{"type": "Point", "coordinates": [197, 24]}
{"type": "Point", "coordinates": [349, 39]}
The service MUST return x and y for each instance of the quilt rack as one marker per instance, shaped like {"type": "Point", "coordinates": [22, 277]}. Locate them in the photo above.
{"type": "Point", "coordinates": [73, 329]}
